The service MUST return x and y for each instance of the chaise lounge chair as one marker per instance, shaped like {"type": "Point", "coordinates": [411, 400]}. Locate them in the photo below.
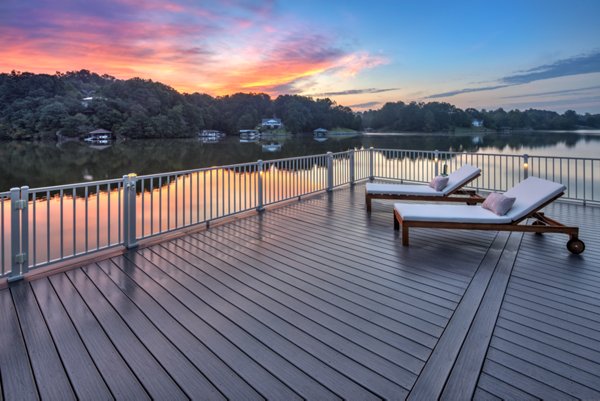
{"type": "Point", "coordinates": [453, 192]}
{"type": "Point", "coordinates": [532, 194]}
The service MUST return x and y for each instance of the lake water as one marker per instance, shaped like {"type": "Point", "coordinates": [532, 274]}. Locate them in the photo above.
{"type": "Point", "coordinates": [39, 164]}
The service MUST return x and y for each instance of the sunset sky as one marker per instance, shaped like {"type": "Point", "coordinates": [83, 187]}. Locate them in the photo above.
{"type": "Point", "coordinates": [521, 54]}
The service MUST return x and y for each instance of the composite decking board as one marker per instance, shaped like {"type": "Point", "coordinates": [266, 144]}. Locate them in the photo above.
{"type": "Point", "coordinates": [319, 371]}
{"type": "Point", "coordinates": [327, 354]}
{"type": "Point", "coordinates": [361, 234]}
{"type": "Point", "coordinates": [462, 380]}
{"type": "Point", "coordinates": [346, 223]}
{"type": "Point", "coordinates": [189, 292]}
{"type": "Point", "coordinates": [390, 265]}
{"type": "Point", "coordinates": [338, 282]}
{"type": "Point", "coordinates": [520, 383]}
{"type": "Point", "coordinates": [151, 374]}
{"type": "Point", "coordinates": [238, 361]}
{"type": "Point", "coordinates": [503, 390]}
{"type": "Point", "coordinates": [404, 297]}
{"type": "Point", "coordinates": [582, 362]}
{"type": "Point", "coordinates": [18, 382]}
{"type": "Point", "coordinates": [591, 292]}
{"type": "Point", "coordinates": [559, 296]}
{"type": "Point", "coordinates": [84, 377]}
{"type": "Point", "coordinates": [50, 376]}
{"type": "Point", "coordinates": [571, 374]}
{"type": "Point", "coordinates": [482, 395]}
{"type": "Point", "coordinates": [383, 250]}
{"type": "Point", "coordinates": [430, 383]}
{"type": "Point", "coordinates": [219, 374]}
{"type": "Point", "coordinates": [557, 321]}
{"type": "Point", "coordinates": [351, 306]}
{"type": "Point", "coordinates": [587, 294]}
{"type": "Point", "coordinates": [358, 347]}
{"type": "Point", "coordinates": [553, 327]}
{"type": "Point", "coordinates": [554, 386]}
{"type": "Point", "coordinates": [392, 348]}
{"type": "Point", "coordinates": [415, 325]}
{"type": "Point", "coordinates": [550, 340]}
{"type": "Point", "coordinates": [353, 269]}
{"type": "Point", "coordinates": [559, 311]}
{"type": "Point", "coordinates": [123, 384]}
{"type": "Point", "coordinates": [188, 376]}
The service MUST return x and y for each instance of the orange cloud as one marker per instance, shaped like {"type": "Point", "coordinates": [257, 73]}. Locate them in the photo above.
{"type": "Point", "coordinates": [193, 49]}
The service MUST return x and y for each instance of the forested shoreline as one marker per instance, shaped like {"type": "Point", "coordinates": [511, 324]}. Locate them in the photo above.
{"type": "Point", "coordinates": [73, 103]}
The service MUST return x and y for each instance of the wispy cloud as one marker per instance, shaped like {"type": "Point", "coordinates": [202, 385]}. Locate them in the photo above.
{"type": "Point", "coordinates": [366, 105]}
{"type": "Point", "coordinates": [583, 64]}
{"type": "Point", "coordinates": [559, 92]}
{"type": "Point", "coordinates": [466, 90]}
{"type": "Point", "coordinates": [354, 92]}
{"type": "Point", "coordinates": [571, 66]}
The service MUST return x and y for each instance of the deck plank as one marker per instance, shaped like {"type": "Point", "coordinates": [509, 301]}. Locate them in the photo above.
{"type": "Point", "coordinates": [123, 383]}
{"type": "Point", "coordinates": [50, 375]}
{"type": "Point", "coordinates": [157, 382]}
{"type": "Point", "coordinates": [83, 374]}
{"type": "Point", "coordinates": [18, 382]}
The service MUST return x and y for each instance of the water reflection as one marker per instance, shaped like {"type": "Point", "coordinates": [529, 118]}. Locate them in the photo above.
{"type": "Point", "coordinates": [40, 164]}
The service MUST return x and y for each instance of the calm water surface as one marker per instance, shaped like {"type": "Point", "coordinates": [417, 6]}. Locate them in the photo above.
{"type": "Point", "coordinates": [40, 164]}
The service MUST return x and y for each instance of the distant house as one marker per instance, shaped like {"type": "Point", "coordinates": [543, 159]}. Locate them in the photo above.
{"type": "Point", "coordinates": [320, 132]}
{"type": "Point", "coordinates": [98, 135]}
{"type": "Point", "coordinates": [271, 123]}
{"type": "Point", "coordinates": [477, 123]}
{"type": "Point", "coordinates": [85, 102]}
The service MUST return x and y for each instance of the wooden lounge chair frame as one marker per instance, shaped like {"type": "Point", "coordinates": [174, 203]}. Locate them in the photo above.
{"type": "Point", "coordinates": [541, 224]}
{"type": "Point", "coordinates": [468, 196]}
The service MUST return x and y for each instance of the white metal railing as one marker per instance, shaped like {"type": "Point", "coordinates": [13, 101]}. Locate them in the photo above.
{"type": "Point", "coordinates": [44, 225]}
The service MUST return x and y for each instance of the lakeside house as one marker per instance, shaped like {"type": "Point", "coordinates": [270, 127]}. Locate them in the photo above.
{"type": "Point", "coordinates": [98, 135]}
{"type": "Point", "coordinates": [271, 123]}
{"type": "Point", "coordinates": [320, 132]}
{"type": "Point", "coordinates": [477, 123]}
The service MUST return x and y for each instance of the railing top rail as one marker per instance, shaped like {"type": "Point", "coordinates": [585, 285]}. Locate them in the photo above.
{"type": "Point", "coordinates": [485, 154]}
{"type": "Point", "coordinates": [295, 158]}
{"type": "Point", "coordinates": [4, 194]}
{"type": "Point", "coordinates": [195, 170]}
{"type": "Point", "coordinates": [75, 185]}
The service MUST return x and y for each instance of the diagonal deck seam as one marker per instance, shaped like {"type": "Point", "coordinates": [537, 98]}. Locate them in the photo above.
{"type": "Point", "coordinates": [431, 381]}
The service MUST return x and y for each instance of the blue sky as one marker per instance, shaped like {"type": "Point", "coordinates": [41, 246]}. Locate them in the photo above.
{"type": "Point", "coordinates": [540, 54]}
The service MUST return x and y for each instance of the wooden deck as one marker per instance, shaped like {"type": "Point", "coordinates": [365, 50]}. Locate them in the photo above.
{"type": "Point", "coordinates": [315, 300]}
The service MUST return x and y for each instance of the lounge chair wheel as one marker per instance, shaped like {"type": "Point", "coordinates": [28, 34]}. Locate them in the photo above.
{"type": "Point", "coordinates": [575, 246]}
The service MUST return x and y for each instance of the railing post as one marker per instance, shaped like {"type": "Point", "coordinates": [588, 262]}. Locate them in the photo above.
{"type": "Point", "coordinates": [352, 173]}
{"type": "Point", "coordinates": [129, 210]}
{"type": "Point", "coordinates": [525, 165]}
{"type": "Point", "coordinates": [19, 232]}
{"type": "Point", "coordinates": [436, 159]}
{"type": "Point", "coordinates": [329, 171]}
{"type": "Point", "coordinates": [371, 164]}
{"type": "Point", "coordinates": [259, 187]}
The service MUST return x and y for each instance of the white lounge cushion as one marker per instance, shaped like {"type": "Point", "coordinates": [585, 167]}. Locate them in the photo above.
{"type": "Point", "coordinates": [455, 180]}
{"type": "Point", "coordinates": [401, 189]}
{"type": "Point", "coordinates": [449, 213]}
{"type": "Point", "coordinates": [460, 177]}
{"type": "Point", "coordinates": [531, 193]}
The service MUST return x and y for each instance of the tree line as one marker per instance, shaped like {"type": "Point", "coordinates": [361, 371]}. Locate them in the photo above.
{"type": "Point", "coordinates": [77, 102]}
{"type": "Point", "coordinates": [74, 103]}
{"type": "Point", "coordinates": [437, 116]}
